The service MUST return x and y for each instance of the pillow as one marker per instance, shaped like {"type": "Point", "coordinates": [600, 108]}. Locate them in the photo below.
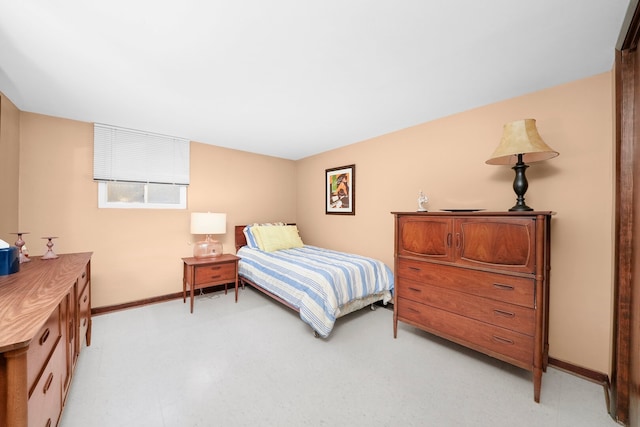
{"type": "Point", "coordinates": [250, 238]}
{"type": "Point", "coordinates": [274, 238]}
{"type": "Point", "coordinates": [251, 241]}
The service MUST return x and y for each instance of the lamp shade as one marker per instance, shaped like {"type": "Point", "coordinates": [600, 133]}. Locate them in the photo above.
{"type": "Point", "coordinates": [521, 137]}
{"type": "Point", "coordinates": [208, 223]}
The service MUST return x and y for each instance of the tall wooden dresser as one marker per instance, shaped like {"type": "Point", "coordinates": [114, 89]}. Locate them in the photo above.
{"type": "Point", "coordinates": [45, 320]}
{"type": "Point", "coordinates": [480, 279]}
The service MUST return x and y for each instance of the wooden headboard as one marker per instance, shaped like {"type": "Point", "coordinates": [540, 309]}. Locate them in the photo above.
{"type": "Point", "coordinates": [241, 239]}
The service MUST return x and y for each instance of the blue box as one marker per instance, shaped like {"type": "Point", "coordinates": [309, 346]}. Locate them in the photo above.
{"type": "Point", "coordinates": [9, 260]}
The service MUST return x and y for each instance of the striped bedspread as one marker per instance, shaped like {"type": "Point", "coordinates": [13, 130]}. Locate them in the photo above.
{"type": "Point", "coordinates": [316, 281]}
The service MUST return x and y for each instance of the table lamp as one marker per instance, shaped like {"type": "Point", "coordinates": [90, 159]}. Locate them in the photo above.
{"type": "Point", "coordinates": [208, 223]}
{"type": "Point", "coordinates": [521, 143]}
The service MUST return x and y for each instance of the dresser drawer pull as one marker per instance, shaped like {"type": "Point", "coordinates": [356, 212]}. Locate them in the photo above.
{"type": "Point", "coordinates": [85, 298]}
{"type": "Point", "coordinates": [503, 287]}
{"type": "Point", "coordinates": [414, 268]}
{"type": "Point", "coordinates": [502, 340]}
{"type": "Point", "coordinates": [217, 276]}
{"type": "Point", "coordinates": [84, 274]}
{"type": "Point", "coordinates": [44, 336]}
{"type": "Point", "coordinates": [48, 424]}
{"type": "Point", "coordinates": [48, 383]}
{"type": "Point", "coordinates": [413, 310]}
{"type": "Point", "coordinates": [415, 289]}
{"type": "Point", "coordinates": [215, 268]}
{"type": "Point", "coordinates": [457, 240]}
{"type": "Point", "coordinates": [504, 313]}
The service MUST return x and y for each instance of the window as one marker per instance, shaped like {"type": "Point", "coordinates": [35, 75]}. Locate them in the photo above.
{"type": "Point", "coordinates": [139, 169]}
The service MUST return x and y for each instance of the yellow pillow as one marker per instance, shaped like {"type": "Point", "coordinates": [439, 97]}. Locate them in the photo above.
{"type": "Point", "coordinates": [272, 238]}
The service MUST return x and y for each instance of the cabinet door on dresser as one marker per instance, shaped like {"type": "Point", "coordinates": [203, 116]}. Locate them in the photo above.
{"type": "Point", "coordinates": [427, 237]}
{"type": "Point", "coordinates": [507, 244]}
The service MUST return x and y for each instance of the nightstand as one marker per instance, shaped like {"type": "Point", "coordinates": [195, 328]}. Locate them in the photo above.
{"type": "Point", "coordinates": [201, 273]}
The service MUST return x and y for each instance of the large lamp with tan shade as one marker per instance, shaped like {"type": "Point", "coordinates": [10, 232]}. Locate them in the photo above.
{"type": "Point", "coordinates": [521, 143]}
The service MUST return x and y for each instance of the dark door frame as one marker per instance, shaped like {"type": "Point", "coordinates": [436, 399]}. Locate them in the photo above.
{"type": "Point", "coordinates": [625, 369]}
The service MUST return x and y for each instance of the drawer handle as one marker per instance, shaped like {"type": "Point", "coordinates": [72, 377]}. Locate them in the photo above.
{"type": "Point", "coordinates": [85, 298]}
{"type": "Point", "coordinates": [48, 424]}
{"type": "Point", "coordinates": [84, 274]}
{"type": "Point", "coordinates": [216, 277]}
{"type": "Point", "coordinates": [44, 336]}
{"type": "Point", "coordinates": [457, 240]}
{"type": "Point", "coordinates": [504, 313]}
{"type": "Point", "coordinates": [413, 310]}
{"type": "Point", "coordinates": [502, 340]}
{"type": "Point", "coordinates": [503, 287]}
{"type": "Point", "coordinates": [415, 289]}
{"type": "Point", "coordinates": [216, 268]}
{"type": "Point", "coordinates": [48, 383]}
{"type": "Point", "coordinates": [414, 268]}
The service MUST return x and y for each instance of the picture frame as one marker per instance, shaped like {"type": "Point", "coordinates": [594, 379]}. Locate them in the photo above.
{"type": "Point", "coordinates": [340, 190]}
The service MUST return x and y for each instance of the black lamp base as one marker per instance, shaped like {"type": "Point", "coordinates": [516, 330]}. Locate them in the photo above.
{"type": "Point", "coordinates": [520, 208]}
{"type": "Point", "coordinates": [520, 186]}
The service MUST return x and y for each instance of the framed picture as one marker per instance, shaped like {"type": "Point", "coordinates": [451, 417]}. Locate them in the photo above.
{"type": "Point", "coordinates": [340, 190]}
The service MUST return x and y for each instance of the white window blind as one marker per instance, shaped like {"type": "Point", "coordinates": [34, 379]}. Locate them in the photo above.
{"type": "Point", "coordinates": [121, 154]}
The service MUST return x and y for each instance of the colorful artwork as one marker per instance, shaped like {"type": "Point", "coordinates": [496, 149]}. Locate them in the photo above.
{"type": "Point", "coordinates": [340, 190]}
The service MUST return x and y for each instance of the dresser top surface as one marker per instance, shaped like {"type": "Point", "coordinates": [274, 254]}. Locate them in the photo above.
{"type": "Point", "coordinates": [462, 212]}
{"type": "Point", "coordinates": [28, 297]}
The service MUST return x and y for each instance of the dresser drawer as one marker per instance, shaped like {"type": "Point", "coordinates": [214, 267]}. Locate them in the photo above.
{"type": "Point", "coordinates": [83, 278]}
{"type": "Point", "coordinates": [490, 339]}
{"type": "Point", "coordinates": [45, 401]}
{"type": "Point", "coordinates": [509, 316]}
{"type": "Point", "coordinates": [501, 287]}
{"type": "Point", "coordinates": [221, 273]}
{"type": "Point", "coordinates": [41, 347]}
{"type": "Point", "coordinates": [84, 315]}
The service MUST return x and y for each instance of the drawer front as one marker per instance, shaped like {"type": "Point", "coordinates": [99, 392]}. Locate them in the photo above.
{"type": "Point", "coordinates": [490, 339]}
{"type": "Point", "coordinates": [501, 287]}
{"type": "Point", "coordinates": [41, 347]}
{"type": "Point", "coordinates": [84, 315]}
{"type": "Point", "coordinates": [83, 278]}
{"type": "Point", "coordinates": [221, 273]}
{"type": "Point", "coordinates": [45, 401]}
{"type": "Point", "coordinates": [509, 316]}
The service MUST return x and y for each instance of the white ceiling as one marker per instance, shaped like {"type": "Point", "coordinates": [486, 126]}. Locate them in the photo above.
{"type": "Point", "coordinates": [292, 78]}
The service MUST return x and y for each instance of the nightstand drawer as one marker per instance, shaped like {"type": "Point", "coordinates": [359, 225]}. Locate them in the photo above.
{"type": "Point", "coordinates": [215, 273]}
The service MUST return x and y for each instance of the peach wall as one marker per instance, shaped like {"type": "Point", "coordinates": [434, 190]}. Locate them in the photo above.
{"type": "Point", "coordinates": [9, 174]}
{"type": "Point", "coordinates": [137, 252]}
{"type": "Point", "coordinates": [445, 158]}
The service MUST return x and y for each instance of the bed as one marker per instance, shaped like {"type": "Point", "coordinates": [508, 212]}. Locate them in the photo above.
{"type": "Point", "coordinates": [322, 285]}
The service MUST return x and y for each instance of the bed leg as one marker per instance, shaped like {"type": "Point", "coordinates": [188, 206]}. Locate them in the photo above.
{"type": "Point", "coordinates": [373, 307]}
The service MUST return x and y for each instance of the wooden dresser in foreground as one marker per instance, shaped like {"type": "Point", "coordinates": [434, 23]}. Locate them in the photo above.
{"type": "Point", "coordinates": [480, 279]}
{"type": "Point", "coordinates": [45, 319]}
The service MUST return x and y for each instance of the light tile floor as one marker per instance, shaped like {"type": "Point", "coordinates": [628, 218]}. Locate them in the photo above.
{"type": "Point", "coordinates": [255, 363]}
